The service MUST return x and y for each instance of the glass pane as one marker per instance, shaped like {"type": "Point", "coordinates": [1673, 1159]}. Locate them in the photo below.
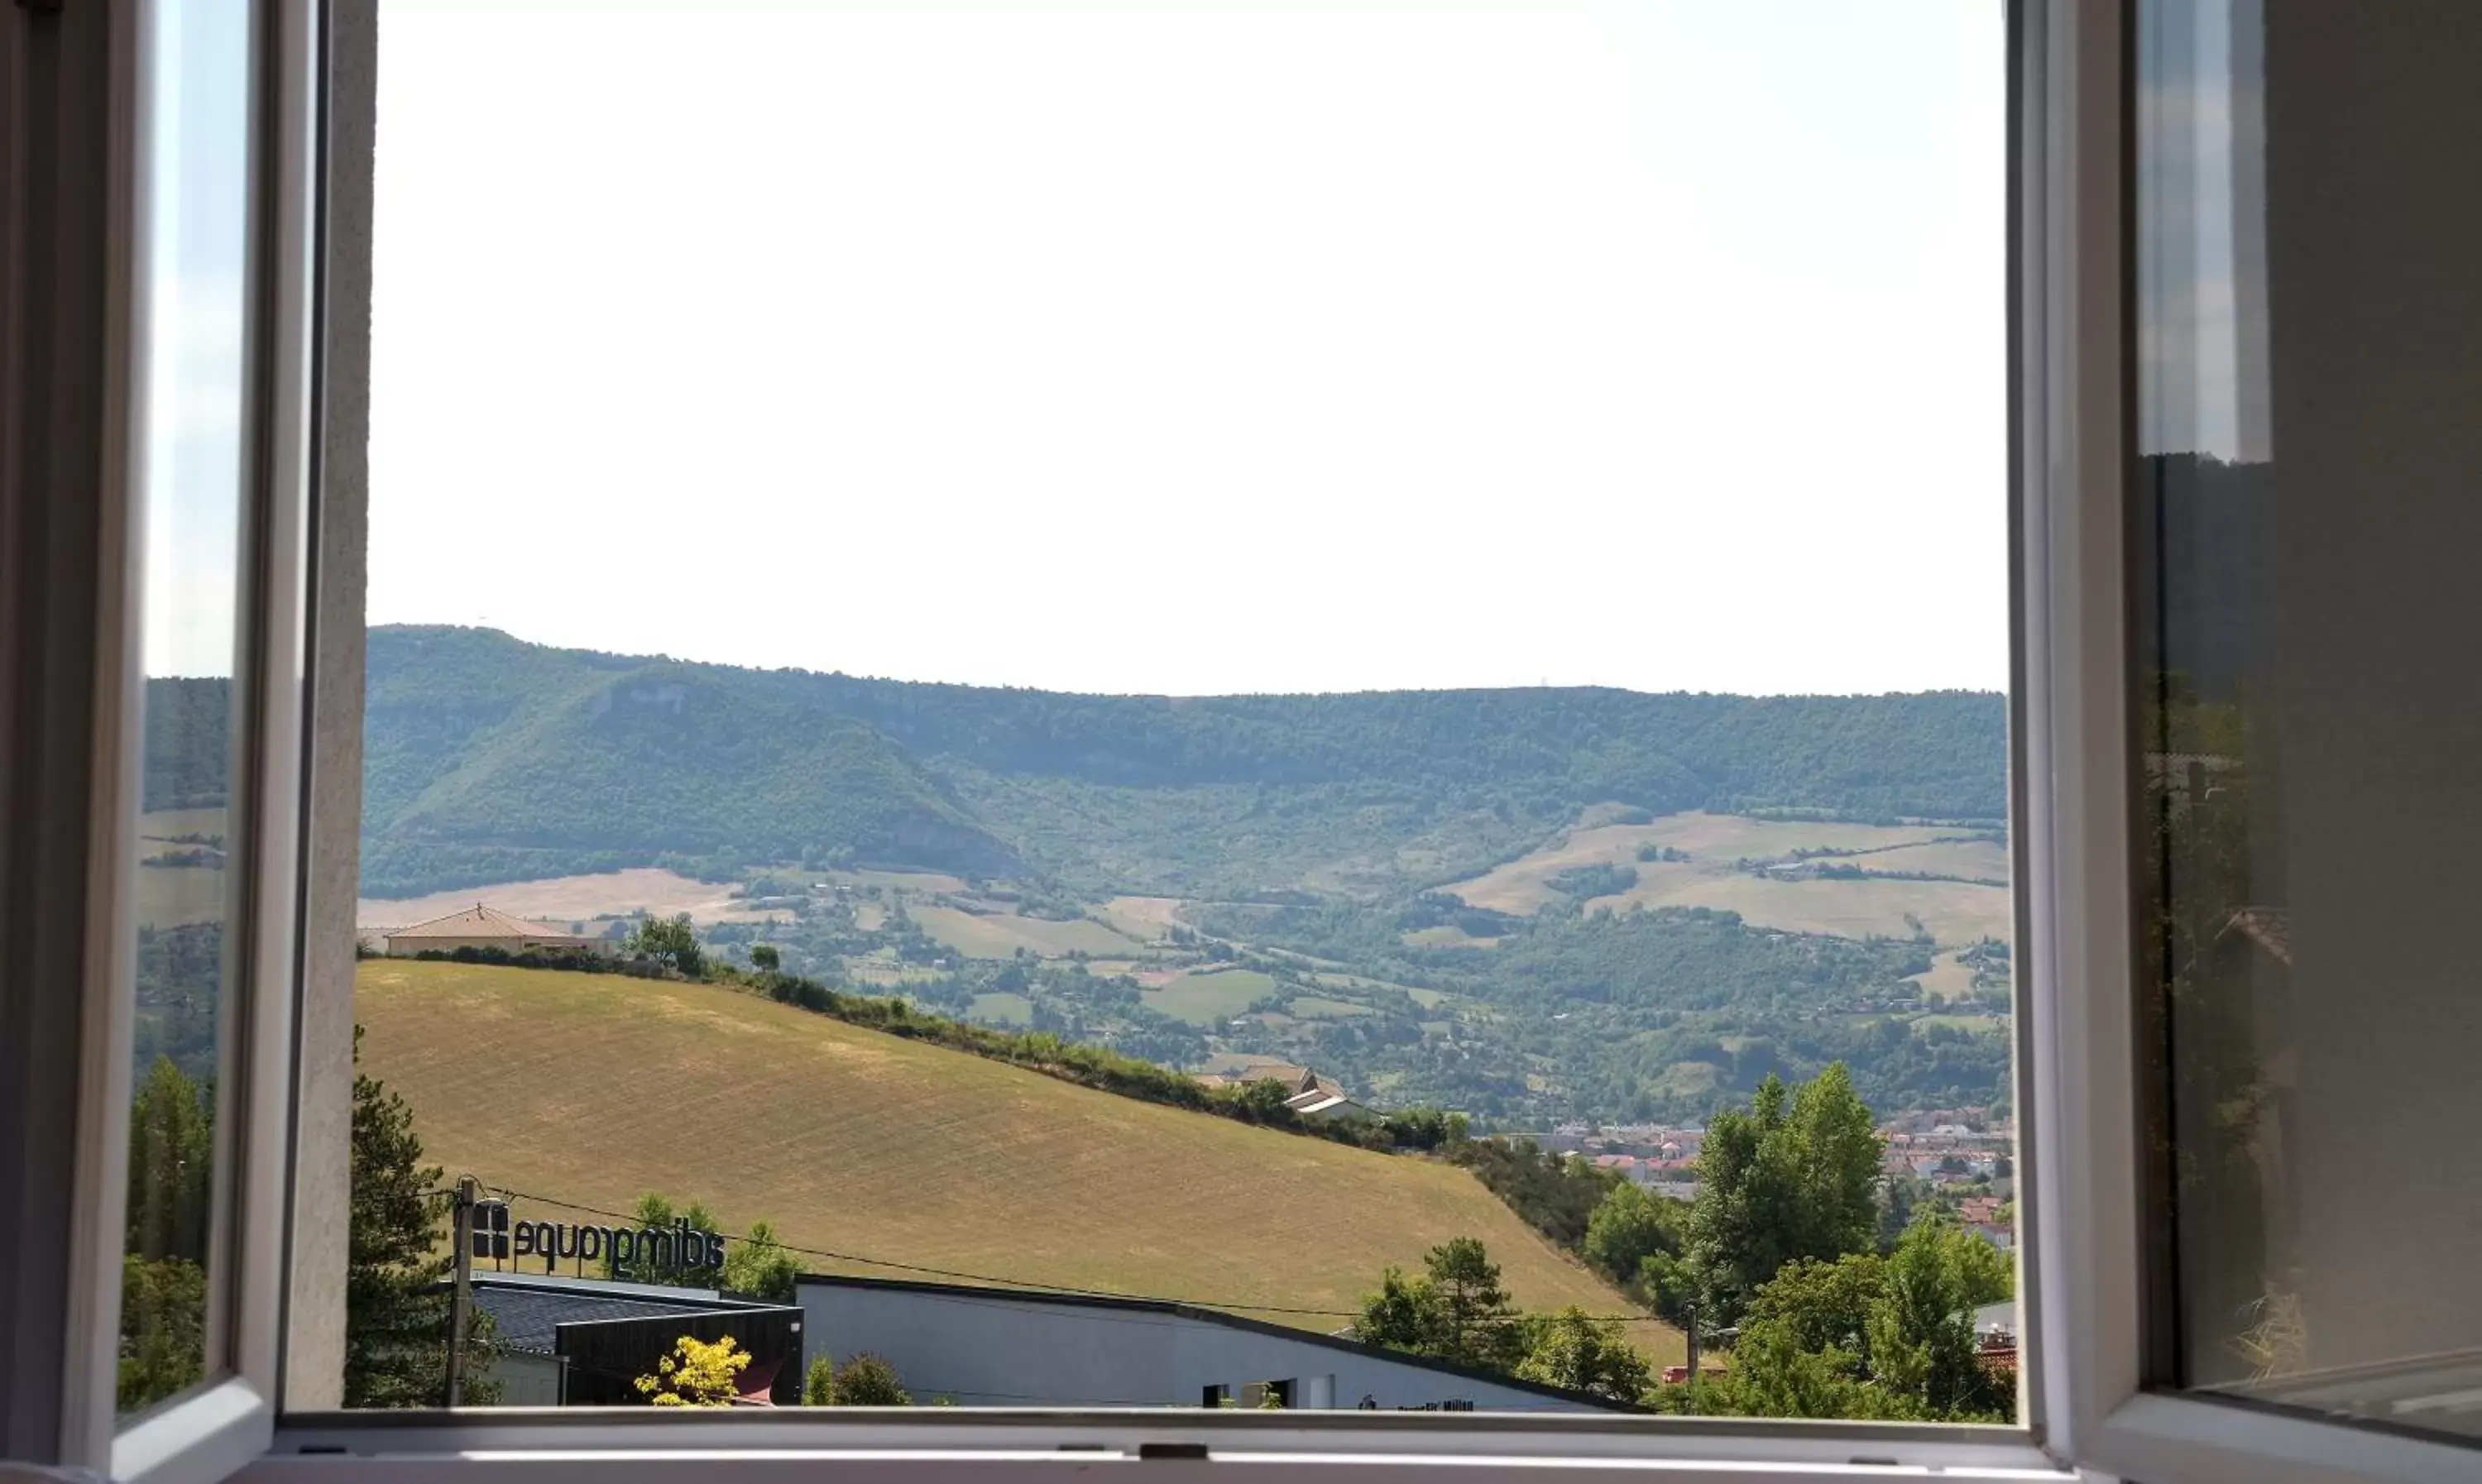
{"type": "Point", "coordinates": [2306, 362]}
{"type": "Point", "coordinates": [197, 190]}
{"type": "Point", "coordinates": [1335, 747]}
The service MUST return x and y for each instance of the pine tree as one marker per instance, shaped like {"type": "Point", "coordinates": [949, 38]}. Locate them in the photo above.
{"type": "Point", "coordinates": [1479, 1322]}
{"type": "Point", "coordinates": [171, 1190]}
{"type": "Point", "coordinates": [1456, 1310]}
{"type": "Point", "coordinates": [396, 1298]}
{"type": "Point", "coordinates": [759, 1267]}
{"type": "Point", "coordinates": [171, 1165]}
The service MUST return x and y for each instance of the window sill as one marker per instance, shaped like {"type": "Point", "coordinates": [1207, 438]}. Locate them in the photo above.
{"type": "Point", "coordinates": [2162, 1436]}
{"type": "Point", "coordinates": [537, 1443]}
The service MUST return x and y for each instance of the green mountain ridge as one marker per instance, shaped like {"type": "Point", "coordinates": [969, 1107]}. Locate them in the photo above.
{"type": "Point", "coordinates": [488, 759]}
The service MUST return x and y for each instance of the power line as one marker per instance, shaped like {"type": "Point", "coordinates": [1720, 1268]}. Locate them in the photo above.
{"type": "Point", "coordinates": [1024, 1283]}
{"type": "Point", "coordinates": [944, 1272]}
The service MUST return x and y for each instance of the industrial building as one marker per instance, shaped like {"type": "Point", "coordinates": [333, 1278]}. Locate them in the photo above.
{"type": "Point", "coordinates": [584, 1341]}
{"type": "Point", "coordinates": [1013, 1348]}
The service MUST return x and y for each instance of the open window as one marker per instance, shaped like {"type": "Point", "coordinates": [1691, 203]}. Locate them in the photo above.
{"type": "Point", "coordinates": [161, 367]}
{"type": "Point", "coordinates": [2234, 821]}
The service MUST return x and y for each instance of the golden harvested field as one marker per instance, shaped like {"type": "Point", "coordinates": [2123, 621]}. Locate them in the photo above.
{"type": "Point", "coordinates": [1145, 918]}
{"type": "Point", "coordinates": [596, 1088]}
{"type": "Point", "coordinates": [1712, 843]}
{"type": "Point", "coordinates": [1206, 998]}
{"type": "Point", "coordinates": [179, 895]}
{"type": "Point", "coordinates": [1000, 935]}
{"type": "Point", "coordinates": [1954, 912]}
{"type": "Point", "coordinates": [1004, 1008]}
{"type": "Point", "coordinates": [573, 899]}
{"type": "Point", "coordinates": [166, 824]}
{"type": "Point", "coordinates": [1963, 1022]}
{"type": "Point", "coordinates": [1981, 859]}
{"type": "Point", "coordinates": [923, 882]}
{"type": "Point", "coordinates": [1947, 979]}
{"type": "Point", "coordinates": [1318, 1007]}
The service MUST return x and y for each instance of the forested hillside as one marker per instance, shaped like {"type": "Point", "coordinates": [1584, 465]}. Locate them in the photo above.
{"type": "Point", "coordinates": [489, 758]}
{"type": "Point", "coordinates": [189, 740]}
{"type": "Point", "coordinates": [1527, 904]}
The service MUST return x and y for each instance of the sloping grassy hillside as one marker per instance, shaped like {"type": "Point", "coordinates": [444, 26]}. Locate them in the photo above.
{"type": "Point", "coordinates": [594, 1088]}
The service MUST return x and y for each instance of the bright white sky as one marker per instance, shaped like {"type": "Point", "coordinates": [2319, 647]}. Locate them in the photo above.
{"type": "Point", "coordinates": [1185, 349]}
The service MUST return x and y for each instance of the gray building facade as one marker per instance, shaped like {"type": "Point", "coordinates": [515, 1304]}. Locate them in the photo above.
{"type": "Point", "coordinates": [1010, 1347]}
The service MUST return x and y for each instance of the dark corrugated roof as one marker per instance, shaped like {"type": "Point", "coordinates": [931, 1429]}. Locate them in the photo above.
{"type": "Point", "coordinates": [529, 1318]}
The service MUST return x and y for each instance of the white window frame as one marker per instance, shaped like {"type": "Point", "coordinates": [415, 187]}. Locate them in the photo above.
{"type": "Point", "coordinates": [229, 1420]}
{"type": "Point", "coordinates": [2075, 451]}
{"type": "Point", "coordinates": [2084, 1409]}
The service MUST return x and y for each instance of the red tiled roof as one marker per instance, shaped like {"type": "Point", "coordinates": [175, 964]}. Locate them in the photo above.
{"type": "Point", "coordinates": [481, 921]}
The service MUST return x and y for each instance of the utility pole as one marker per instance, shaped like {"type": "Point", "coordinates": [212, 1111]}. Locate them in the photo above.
{"type": "Point", "coordinates": [1689, 1322]}
{"type": "Point", "coordinates": [460, 1297]}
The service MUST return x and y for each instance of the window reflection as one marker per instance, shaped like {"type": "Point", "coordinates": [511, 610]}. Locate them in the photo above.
{"type": "Point", "coordinates": [2304, 358]}
{"type": "Point", "coordinates": [197, 204]}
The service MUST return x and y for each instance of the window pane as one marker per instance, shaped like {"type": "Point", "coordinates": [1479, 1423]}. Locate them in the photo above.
{"type": "Point", "coordinates": [198, 181]}
{"type": "Point", "coordinates": [2306, 358]}
{"type": "Point", "coordinates": [1334, 747]}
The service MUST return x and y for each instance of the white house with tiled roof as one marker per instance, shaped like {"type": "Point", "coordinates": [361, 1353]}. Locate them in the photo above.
{"type": "Point", "coordinates": [481, 927]}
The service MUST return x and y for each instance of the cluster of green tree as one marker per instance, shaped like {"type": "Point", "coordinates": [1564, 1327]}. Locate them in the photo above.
{"type": "Point", "coordinates": [1864, 1335]}
{"type": "Point", "coordinates": [1990, 824]}
{"type": "Point", "coordinates": [1690, 959]}
{"type": "Point", "coordinates": [1457, 1310]}
{"type": "Point", "coordinates": [681, 761]}
{"type": "Point", "coordinates": [187, 740]}
{"type": "Point", "coordinates": [580, 961]}
{"type": "Point", "coordinates": [172, 1195]}
{"type": "Point", "coordinates": [396, 1304]}
{"type": "Point", "coordinates": [1554, 1194]}
{"type": "Point", "coordinates": [2207, 941]}
{"type": "Point", "coordinates": [1993, 976]}
{"type": "Point", "coordinates": [171, 1152]}
{"type": "Point", "coordinates": [1653, 851]}
{"type": "Point", "coordinates": [479, 745]}
{"type": "Point", "coordinates": [1787, 1241]}
{"type": "Point", "coordinates": [396, 1308]}
{"type": "Point", "coordinates": [1837, 1309]}
{"type": "Point", "coordinates": [755, 1265]}
{"type": "Point", "coordinates": [1845, 870]}
{"type": "Point", "coordinates": [1637, 1239]}
{"type": "Point", "coordinates": [1998, 837]}
{"type": "Point", "coordinates": [180, 971]}
{"type": "Point", "coordinates": [1426, 910]}
{"type": "Point", "coordinates": [193, 856]}
{"type": "Point", "coordinates": [1630, 1016]}
{"type": "Point", "coordinates": [1583, 883]}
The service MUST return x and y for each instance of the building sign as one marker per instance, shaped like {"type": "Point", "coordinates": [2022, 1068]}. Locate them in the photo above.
{"type": "Point", "coordinates": [679, 1245]}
